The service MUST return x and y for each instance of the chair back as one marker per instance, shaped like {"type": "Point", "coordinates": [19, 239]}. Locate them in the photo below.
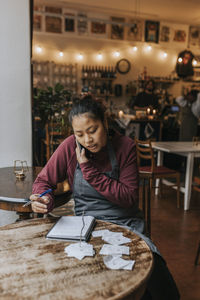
{"type": "Point", "coordinates": [145, 153]}
{"type": "Point", "coordinates": [55, 133]}
{"type": "Point", "coordinates": [196, 184]}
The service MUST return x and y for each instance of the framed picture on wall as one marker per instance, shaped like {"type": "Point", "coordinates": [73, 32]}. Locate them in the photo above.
{"type": "Point", "coordinates": [38, 8]}
{"type": "Point", "coordinates": [194, 36]}
{"type": "Point", "coordinates": [53, 24]}
{"type": "Point", "coordinates": [37, 22]}
{"type": "Point", "coordinates": [117, 28]}
{"type": "Point", "coordinates": [179, 36]}
{"type": "Point", "coordinates": [164, 33]}
{"type": "Point", "coordinates": [53, 10]}
{"type": "Point", "coordinates": [152, 31]}
{"type": "Point", "coordinates": [69, 22]}
{"type": "Point", "coordinates": [98, 28]}
{"type": "Point", "coordinates": [134, 30]}
{"type": "Point", "coordinates": [82, 23]}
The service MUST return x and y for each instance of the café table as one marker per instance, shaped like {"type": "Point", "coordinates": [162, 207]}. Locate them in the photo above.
{"type": "Point", "coordinates": [11, 187]}
{"type": "Point", "coordinates": [190, 150]}
{"type": "Point", "coordinates": [33, 267]}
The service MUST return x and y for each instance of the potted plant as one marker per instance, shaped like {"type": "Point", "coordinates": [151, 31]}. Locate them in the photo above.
{"type": "Point", "coordinates": [51, 102]}
{"type": "Point", "coordinates": [50, 113]}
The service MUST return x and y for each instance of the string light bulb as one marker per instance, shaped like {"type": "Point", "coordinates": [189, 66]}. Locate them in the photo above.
{"type": "Point", "coordinates": [80, 56]}
{"type": "Point", "coordinates": [61, 54]}
{"type": "Point", "coordinates": [194, 62]}
{"type": "Point", "coordinates": [180, 59]}
{"type": "Point", "coordinates": [38, 49]}
{"type": "Point", "coordinates": [149, 48]}
{"type": "Point", "coordinates": [116, 53]}
{"type": "Point", "coordinates": [99, 56]}
{"type": "Point", "coordinates": [135, 48]}
{"type": "Point", "coordinates": [164, 54]}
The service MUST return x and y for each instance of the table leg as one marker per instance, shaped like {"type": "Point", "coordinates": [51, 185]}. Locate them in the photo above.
{"type": "Point", "coordinates": [188, 180]}
{"type": "Point", "coordinates": [159, 163]}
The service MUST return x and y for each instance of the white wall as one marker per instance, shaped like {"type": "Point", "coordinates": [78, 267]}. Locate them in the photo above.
{"type": "Point", "coordinates": [15, 85]}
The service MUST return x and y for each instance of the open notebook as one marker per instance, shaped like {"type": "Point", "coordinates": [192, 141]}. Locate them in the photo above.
{"type": "Point", "coordinates": [72, 228]}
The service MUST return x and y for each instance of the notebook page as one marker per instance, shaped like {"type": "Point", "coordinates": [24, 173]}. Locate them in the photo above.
{"type": "Point", "coordinates": [70, 227]}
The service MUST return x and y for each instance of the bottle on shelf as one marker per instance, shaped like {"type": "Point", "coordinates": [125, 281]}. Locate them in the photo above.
{"type": "Point", "coordinates": [96, 72]}
{"type": "Point", "coordinates": [83, 71]}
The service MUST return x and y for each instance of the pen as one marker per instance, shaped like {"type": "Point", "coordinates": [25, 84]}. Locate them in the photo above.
{"type": "Point", "coordinates": [42, 194]}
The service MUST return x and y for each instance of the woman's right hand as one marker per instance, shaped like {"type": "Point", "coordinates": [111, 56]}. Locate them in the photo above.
{"type": "Point", "coordinates": [39, 204]}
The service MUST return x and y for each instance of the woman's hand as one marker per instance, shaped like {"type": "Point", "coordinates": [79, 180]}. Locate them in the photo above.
{"type": "Point", "coordinates": [80, 154]}
{"type": "Point", "coordinates": [40, 203]}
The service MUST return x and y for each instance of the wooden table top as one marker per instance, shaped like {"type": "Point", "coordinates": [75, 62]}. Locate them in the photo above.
{"type": "Point", "coordinates": [33, 267]}
{"type": "Point", "coordinates": [15, 188]}
{"type": "Point", "coordinates": [12, 187]}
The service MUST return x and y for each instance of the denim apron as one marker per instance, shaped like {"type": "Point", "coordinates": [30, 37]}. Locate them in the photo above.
{"type": "Point", "coordinates": [92, 203]}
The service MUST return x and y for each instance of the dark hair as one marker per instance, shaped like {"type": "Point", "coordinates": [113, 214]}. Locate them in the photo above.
{"type": "Point", "coordinates": [89, 105]}
{"type": "Point", "coordinates": [148, 81]}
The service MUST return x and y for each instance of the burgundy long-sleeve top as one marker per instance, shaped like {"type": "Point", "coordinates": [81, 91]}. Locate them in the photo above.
{"type": "Point", "coordinates": [62, 165]}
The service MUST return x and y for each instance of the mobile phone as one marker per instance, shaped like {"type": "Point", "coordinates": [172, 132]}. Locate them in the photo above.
{"type": "Point", "coordinates": [87, 152]}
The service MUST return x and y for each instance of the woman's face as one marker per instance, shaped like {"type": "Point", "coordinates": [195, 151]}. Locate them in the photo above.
{"type": "Point", "coordinates": [90, 133]}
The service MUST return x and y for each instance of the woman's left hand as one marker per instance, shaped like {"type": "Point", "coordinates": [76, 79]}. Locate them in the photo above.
{"type": "Point", "coordinates": [81, 157]}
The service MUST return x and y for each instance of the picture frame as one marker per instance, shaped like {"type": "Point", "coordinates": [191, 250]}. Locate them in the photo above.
{"type": "Point", "coordinates": [179, 36]}
{"type": "Point", "coordinates": [69, 22]}
{"type": "Point", "coordinates": [152, 31]}
{"type": "Point", "coordinates": [117, 29]}
{"type": "Point", "coordinates": [194, 36]}
{"type": "Point", "coordinates": [82, 23]}
{"type": "Point", "coordinates": [37, 22]}
{"type": "Point", "coordinates": [53, 10]}
{"type": "Point", "coordinates": [134, 32]}
{"type": "Point", "coordinates": [38, 8]}
{"type": "Point", "coordinates": [98, 27]}
{"type": "Point", "coordinates": [53, 24]}
{"type": "Point", "coordinates": [165, 33]}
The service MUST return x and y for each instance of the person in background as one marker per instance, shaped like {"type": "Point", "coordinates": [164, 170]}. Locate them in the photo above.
{"type": "Point", "coordinates": [189, 114]}
{"type": "Point", "coordinates": [101, 168]}
{"type": "Point", "coordinates": [147, 98]}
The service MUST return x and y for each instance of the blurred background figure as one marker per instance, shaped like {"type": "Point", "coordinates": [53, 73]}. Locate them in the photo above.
{"type": "Point", "coordinates": [189, 114]}
{"type": "Point", "coordinates": [147, 98]}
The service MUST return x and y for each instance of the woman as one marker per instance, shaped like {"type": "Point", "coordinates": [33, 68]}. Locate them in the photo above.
{"type": "Point", "coordinates": [102, 172]}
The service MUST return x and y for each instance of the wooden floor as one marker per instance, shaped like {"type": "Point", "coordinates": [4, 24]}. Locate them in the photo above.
{"type": "Point", "coordinates": [176, 233]}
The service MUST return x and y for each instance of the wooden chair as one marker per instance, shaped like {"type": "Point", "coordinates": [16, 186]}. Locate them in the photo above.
{"type": "Point", "coordinates": [54, 135]}
{"type": "Point", "coordinates": [149, 170]}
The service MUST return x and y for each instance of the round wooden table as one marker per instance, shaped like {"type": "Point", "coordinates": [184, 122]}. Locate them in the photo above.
{"type": "Point", "coordinates": [12, 187]}
{"type": "Point", "coordinates": [33, 267]}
